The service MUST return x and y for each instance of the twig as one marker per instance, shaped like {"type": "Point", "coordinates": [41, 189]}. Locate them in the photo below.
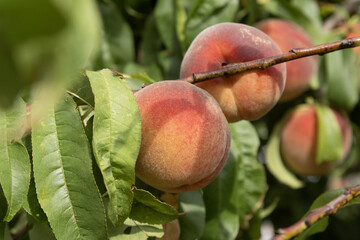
{"type": "Point", "coordinates": [317, 214]}
{"type": "Point", "coordinates": [264, 63]}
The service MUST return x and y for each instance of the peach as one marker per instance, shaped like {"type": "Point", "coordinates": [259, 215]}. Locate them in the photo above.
{"type": "Point", "coordinates": [298, 142]}
{"type": "Point", "coordinates": [288, 35]}
{"type": "Point", "coordinates": [185, 137]}
{"type": "Point", "coordinates": [248, 95]}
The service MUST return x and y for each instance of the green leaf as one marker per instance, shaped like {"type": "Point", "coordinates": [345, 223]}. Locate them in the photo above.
{"type": "Point", "coordinates": [329, 139]}
{"type": "Point", "coordinates": [237, 193]}
{"type": "Point", "coordinates": [341, 79]}
{"type": "Point", "coordinates": [205, 13]}
{"type": "Point", "coordinates": [82, 90]}
{"type": "Point", "coordinates": [116, 139]}
{"type": "Point", "coordinates": [64, 181]}
{"type": "Point", "coordinates": [14, 158]}
{"type": "Point", "coordinates": [137, 75]}
{"type": "Point", "coordinates": [192, 223]}
{"type": "Point", "coordinates": [40, 230]}
{"type": "Point", "coordinates": [222, 221]}
{"type": "Point", "coordinates": [250, 181]}
{"type": "Point", "coordinates": [150, 43]}
{"type": "Point", "coordinates": [117, 35]}
{"type": "Point", "coordinates": [32, 205]}
{"type": "Point", "coordinates": [147, 209]}
{"type": "Point", "coordinates": [166, 20]}
{"type": "Point", "coordinates": [133, 230]}
{"type": "Point", "coordinates": [274, 161]}
{"type": "Point", "coordinates": [321, 225]}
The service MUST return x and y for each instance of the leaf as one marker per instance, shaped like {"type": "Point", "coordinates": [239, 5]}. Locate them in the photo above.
{"type": "Point", "coordinates": [341, 79]}
{"type": "Point", "coordinates": [274, 161]}
{"type": "Point", "coordinates": [40, 230]}
{"type": "Point", "coordinates": [166, 20]}
{"type": "Point", "coordinates": [205, 13]}
{"type": "Point", "coordinates": [116, 139]}
{"type": "Point", "coordinates": [222, 221]}
{"type": "Point", "coordinates": [147, 209]}
{"type": "Point", "coordinates": [237, 193]}
{"type": "Point", "coordinates": [14, 158]}
{"type": "Point", "coordinates": [117, 35]}
{"type": "Point", "coordinates": [192, 223]}
{"type": "Point", "coordinates": [64, 181]}
{"type": "Point", "coordinates": [82, 90]}
{"type": "Point", "coordinates": [329, 139]}
{"type": "Point", "coordinates": [250, 182]}
{"type": "Point", "coordinates": [133, 230]}
{"type": "Point", "coordinates": [32, 205]}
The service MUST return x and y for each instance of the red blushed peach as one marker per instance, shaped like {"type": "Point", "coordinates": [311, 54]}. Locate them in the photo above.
{"type": "Point", "coordinates": [248, 95]}
{"type": "Point", "coordinates": [298, 142]}
{"type": "Point", "coordinates": [288, 35]}
{"type": "Point", "coordinates": [185, 137]}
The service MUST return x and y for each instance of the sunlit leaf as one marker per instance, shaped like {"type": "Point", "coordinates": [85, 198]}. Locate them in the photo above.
{"type": "Point", "coordinates": [116, 139]}
{"type": "Point", "coordinates": [64, 181]}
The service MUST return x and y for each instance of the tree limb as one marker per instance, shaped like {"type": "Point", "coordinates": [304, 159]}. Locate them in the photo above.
{"type": "Point", "coordinates": [263, 63]}
{"type": "Point", "coordinates": [317, 214]}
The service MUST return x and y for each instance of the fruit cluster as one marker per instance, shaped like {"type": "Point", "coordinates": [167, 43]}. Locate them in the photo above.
{"type": "Point", "coordinates": [185, 132]}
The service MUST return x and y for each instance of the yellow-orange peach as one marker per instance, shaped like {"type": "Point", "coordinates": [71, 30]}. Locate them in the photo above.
{"type": "Point", "coordinates": [248, 95]}
{"type": "Point", "coordinates": [289, 35]}
{"type": "Point", "coordinates": [298, 142]}
{"type": "Point", "coordinates": [185, 136]}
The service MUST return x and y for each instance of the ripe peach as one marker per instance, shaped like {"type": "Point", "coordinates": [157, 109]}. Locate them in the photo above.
{"type": "Point", "coordinates": [185, 136]}
{"type": "Point", "coordinates": [288, 35]}
{"type": "Point", "coordinates": [248, 95]}
{"type": "Point", "coordinates": [298, 142]}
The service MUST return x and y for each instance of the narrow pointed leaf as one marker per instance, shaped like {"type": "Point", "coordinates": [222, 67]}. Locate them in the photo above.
{"type": "Point", "coordinates": [147, 209]}
{"type": "Point", "coordinates": [116, 139]}
{"type": "Point", "coordinates": [63, 174]}
{"type": "Point", "coordinates": [14, 158]}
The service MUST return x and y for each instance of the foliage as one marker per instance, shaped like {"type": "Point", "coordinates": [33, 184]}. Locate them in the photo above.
{"type": "Point", "coordinates": [67, 157]}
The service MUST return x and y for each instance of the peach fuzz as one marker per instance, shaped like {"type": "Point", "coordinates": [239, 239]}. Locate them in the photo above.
{"type": "Point", "coordinates": [289, 35]}
{"type": "Point", "coordinates": [248, 95]}
{"type": "Point", "coordinates": [185, 137]}
{"type": "Point", "coordinates": [298, 142]}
